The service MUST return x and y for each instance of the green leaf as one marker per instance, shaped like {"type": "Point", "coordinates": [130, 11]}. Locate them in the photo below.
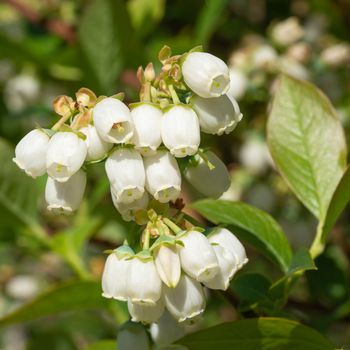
{"type": "Point", "coordinates": [250, 224]}
{"type": "Point", "coordinates": [211, 13]}
{"type": "Point", "coordinates": [103, 345]}
{"type": "Point", "coordinates": [253, 292]}
{"type": "Point", "coordinates": [19, 194]}
{"type": "Point", "coordinates": [71, 296]}
{"type": "Point", "coordinates": [107, 42]}
{"type": "Point", "coordinates": [338, 203]}
{"type": "Point", "coordinates": [301, 262]}
{"type": "Point", "coordinates": [260, 333]}
{"type": "Point", "coordinates": [307, 142]}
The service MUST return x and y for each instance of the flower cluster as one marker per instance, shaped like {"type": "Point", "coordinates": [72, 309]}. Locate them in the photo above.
{"type": "Point", "coordinates": [173, 273]}
{"type": "Point", "coordinates": [147, 146]}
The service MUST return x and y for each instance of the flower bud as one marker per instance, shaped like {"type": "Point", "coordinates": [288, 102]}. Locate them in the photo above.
{"type": "Point", "coordinates": [227, 240]}
{"type": "Point", "coordinates": [112, 120]}
{"type": "Point", "coordinates": [180, 131]}
{"type": "Point", "coordinates": [197, 257]}
{"type": "Point", "coordinates": [125, 171]}
{"type": "Point", "coordinates": [65, 197]}
{"type": "Point", "coordinates": [31, 153]}
{"type": "Point", "coordinates": [147, 121]}
{"type": "Point", "coordinates": [163, 178]}
{"type": "Point", "coordinates": [146, 313]}
{"type": "Point", "coordinates": [132, 336]}
{"type": "Point", "coordinates": [96, 147]}
{"type": "Point", "coordinates": [128, 210]}
{"type": "Point", "coordinates": [168, 264]}
{"type": "Point", "coordinates": [205, 74]}
{"type": "Point", "coordinates": [210, 182]}
{"type": "Point", "coordinates": [144, 285]}
{"type": "Point", "coordinates": [186, 301]}
{"type": "Point", "coordinates": [228, 266]}
{"type": "Point", "coordinates": [65, 155]}
{"type": "Point", "coordinates": [116, 274]}
{"type": "Point", "coordinates": [217, 115]}
{"type": "Point", "coordinates": [167, 330]}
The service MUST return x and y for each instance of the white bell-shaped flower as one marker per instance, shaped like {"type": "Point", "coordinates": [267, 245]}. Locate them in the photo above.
{"type": "Point", "coordinates": [96, 147]}
{"type": "Point", "coordinates": [65, 155]}
{"type": "Point", "coordinates": [180, 130]}
{"type": "Point", "coordinates": [210, 182]}
{"type": "Point", "coordinates": [217, 115]}
{"type": "Point", "coordinates": [186, 301]}
{"type": "Point", "coordinates": [65, 197]}
{"type": "Point", "coordinates": [144, 284]}
{"type": "Point", "coordinates": [227, 268]}
{"type": "Point", "coordinates": [125, 171]}
{"type": "Point", "coordinates": [128, 210]}
{"type": "Point", "coordinates": [197, 256]}
{"type": "Point", "coordinates": [168, 264]}
{"type": "Point", "coordinates": [163, 177]}
{"type": "Point", "coordinates": [31, 153]}
{"type": "Point", "coordinates": [133, 336]}
{"type": "Point", "coordinates": [227, 240]}
{"type": "Point", "coordinates": [147, 119]}
{"type": "Point", "coordinates": [115, 276]}
{"type": "Point", "coordinates": [112, 120]}
{"type": "Point", "coordinates": [167, 330]}
{"type": "Point", "coordinates": [205, 74]}
{"type": "Point", "coordinates": [146, 313]}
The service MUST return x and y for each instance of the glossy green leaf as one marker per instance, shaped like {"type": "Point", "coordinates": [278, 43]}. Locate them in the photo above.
{"type": "Point", "coordinates": [307, 142]}
{"type": "Point", "coordinates": [339, 201]}
{"type": "Point", "coordinates": [103, 345]}
{"type": "Point", "coordinates": [71, 296]}
{"type": "Point", "coordinates": [250, 224]}
{"type": "Point", "coordinates": [107, 42]}
{"type": "Point", "coordinates": [261, 333]}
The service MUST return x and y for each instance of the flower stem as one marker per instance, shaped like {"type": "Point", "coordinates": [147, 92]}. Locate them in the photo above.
{"type": "Point", "coordinates": [58, 125]}
{"type": "Point", "coordinates": [173, 93]}
{"type": "Point", "coordinates": [176, 229]}
{"type": "Point", "coordinates": [146, 239]}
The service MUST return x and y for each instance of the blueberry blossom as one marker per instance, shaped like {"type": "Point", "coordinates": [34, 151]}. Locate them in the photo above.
{"type": "Point", "coordinates": [65, 197]}
{"type": "Point", "coordinates": [96, 147]}
{"type": "Point", "coordinates": [146, 313]}
{"type": "Point", "coordinates": [112, 120]}
{"type": "Point", "coordinates": [66, 153]}
{"type": "Point", "coordinates": [125, 171]}
{"type": "Point", "coordinates": [147, 121]}
{"type": "Point", "coordinates": [163, 178]}
{"type": "Point", "coordinates": [217, 115]}
{"type": "Point", "coordinates": [30, 153]}
{"type": "Point", "coordinates": [180, 130]}
{"type": "Point", "coordinates": [197, 256]}
{"type": "Point", "coordinates": [205, 74]}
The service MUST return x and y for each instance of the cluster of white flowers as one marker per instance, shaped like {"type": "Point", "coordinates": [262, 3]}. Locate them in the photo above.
{"type": "Point", "coordinates": [147, 147]}
{"type": "Point", "coordinates": [173, 274]}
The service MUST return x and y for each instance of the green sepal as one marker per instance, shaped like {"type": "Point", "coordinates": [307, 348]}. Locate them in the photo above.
{"type": "Point", "coordinates": [67, 128]}
{"type": "Point", "coordinates": [48, 132]}
{"type": "Point", "coordinates": [144, 255]}
{"type": "Point", "coordinates": [123, 252]}
{"type": "Point", "coordinates": [166, 240]}
{"type": "Point", "coordinates": [137, 104]}
{"type": "Point", "coordinates": [194, 228]}
{"type": "Point", "coordinates": [119, 96]}
{"type": "Point", "coordinates": [198, 48]}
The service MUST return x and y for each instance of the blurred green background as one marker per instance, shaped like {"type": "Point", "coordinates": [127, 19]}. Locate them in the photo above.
{"type": "Point", "coordinates": [53, 47]}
